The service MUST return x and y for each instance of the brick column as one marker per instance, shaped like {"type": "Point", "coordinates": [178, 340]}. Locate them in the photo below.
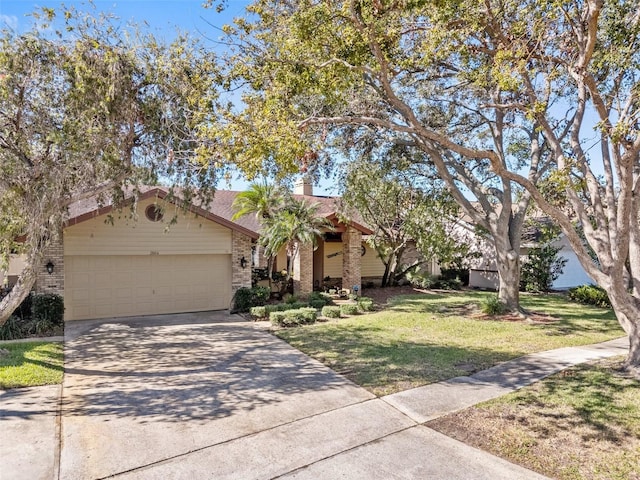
{"type": "Point", "coordinates": [240, 247]}
{"type": "Point", "coordinates": [351, 258]}
{"type": "Point", "coordinates": [303, 269]}
{"type": "Point", "coordinates": [54, 282]}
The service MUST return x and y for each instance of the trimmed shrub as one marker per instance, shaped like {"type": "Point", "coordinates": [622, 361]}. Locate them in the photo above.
{"type": "Point", "coordinates": [366, 304]}
{"type": "Point", "coordinates": [590, 295]}
{"type": "Point", "coordinates": [245, 298]}
{"type": "Point", "coordinates": [331, 311]}
{"type": "Point", "coordinates": [493, 306]}
{"type": "Point", "coordinates": [48, 307]}
{"type": "Point", "coordinates": [349, 309]}
{"type": "Point", "coordinates": [293, 318]}
{"type": "Point", "coordinates": [258, 313]}
{"type": "Point", "coordinates": [317, 304]}
{"type": "Point", "coordinates": [281, 307]}
{"type": "Point", "coordinates": [261, 295]}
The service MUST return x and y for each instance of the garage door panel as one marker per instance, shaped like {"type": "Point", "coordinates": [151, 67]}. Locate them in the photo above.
{"type": "Point", "coordinates": [108, 286]}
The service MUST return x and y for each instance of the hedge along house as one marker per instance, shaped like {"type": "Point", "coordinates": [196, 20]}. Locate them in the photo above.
{"type": "Point", "coordinates": [109, 264]}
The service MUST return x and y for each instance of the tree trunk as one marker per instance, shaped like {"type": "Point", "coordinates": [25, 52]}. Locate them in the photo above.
{"type": "Point", "coordinates": [508, 264]}
{"type": "Point", "coordinates": [20, 290]}
{"type": "Point", "coordinates": [632, 362]}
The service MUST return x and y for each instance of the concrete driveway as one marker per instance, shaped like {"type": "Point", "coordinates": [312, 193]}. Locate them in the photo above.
{"type": "Point", "coordinates": [212, 396]}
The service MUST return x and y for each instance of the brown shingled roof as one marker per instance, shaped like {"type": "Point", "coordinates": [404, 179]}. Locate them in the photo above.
{"type": "Point", "coordinates": [219, 209]}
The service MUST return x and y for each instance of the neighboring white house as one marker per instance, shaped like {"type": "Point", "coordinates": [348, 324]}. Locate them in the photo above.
{"type": "Point", "coordinates": [484, 272]}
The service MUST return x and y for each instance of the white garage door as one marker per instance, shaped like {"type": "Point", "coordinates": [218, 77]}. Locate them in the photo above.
{"type": "Point", "coordinates": [119, 286]}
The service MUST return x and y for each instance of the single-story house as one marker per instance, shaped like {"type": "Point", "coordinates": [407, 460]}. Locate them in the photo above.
{"type": "Point", "coordinates": [110, 263]}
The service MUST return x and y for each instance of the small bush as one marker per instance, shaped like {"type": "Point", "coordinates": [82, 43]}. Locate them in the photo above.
{"type": "Point", "coordinates": [13, 329]}
{"type": "Point", "coordinates": [349, 309]}
{"type": "Point", "coordinates": [261, 295]}
{"type": "Point", "coordinates": [290, 299]}
{"type": "Point", "coordinates": [493, 306]}
{"type": "Point", "coordinates": [258, 313]}
{"type": "Point", "coordinates": [317, 304]}
{"type": "Point", "coordinates": [281, 307]}
{"type": "Point", "coordinates": [366, 304]}
{"type": "Point", "coordinates": [448, 283]}
{"type": "Point", "coordinates": [590, 295]}
{"type": "Point", "coordinates": [318, 297]}
{"type": "Point", "coordinates": [420, 280]}
{"type": "Point", "coordinates": [48, 307]}
{"type": "Point", "coordinates": [331, 311]}
{"type": "Point", "coordinates": [245, 298]}
{"type": "Point", "coordinates": [292, 318]}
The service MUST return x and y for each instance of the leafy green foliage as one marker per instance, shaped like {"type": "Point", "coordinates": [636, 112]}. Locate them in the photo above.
{"type": "Point", "coordinates": [48, 307]}
{"type": "Point", "coordinates": [331, 311]}
{"type": "Point", "coordinates": [14, 328]}
{"type": "Point", "coordinates": [294, 317]}
{"type": "Point", "coordinates": [245, 298]}
{"type": "Point", "coordinates": [590, 295]}
{"type": "Point", "coordinates": [541, 268]}
{"type": "Point", "coordinates": [93, 108]}
{"type": "Point", "coordinates": [349, 309]}
{"type": "Point", "coordinates": [397, 198]}
{"type": "Point", "coordinates": [366, 304]}
{"type": "Point", "coordinates": [493, 306]}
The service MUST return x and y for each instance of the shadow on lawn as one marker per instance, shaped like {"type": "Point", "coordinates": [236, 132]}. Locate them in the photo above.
{"type": "Point", "coordinates": [183, 372]}
{"type": "Point", "coordinates": [384, 366]}
{"type": "Point", "coordinates": [566, 317]}
{"type": "Point", "coordinates": [594, 396]}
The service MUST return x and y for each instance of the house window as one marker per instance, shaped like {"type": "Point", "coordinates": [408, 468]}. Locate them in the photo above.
{"type": "Point", "coordinates": [153, 213]}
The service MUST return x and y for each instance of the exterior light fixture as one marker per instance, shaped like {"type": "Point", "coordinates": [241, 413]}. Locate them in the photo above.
{"type": "Point", "coordinates": [50, 267]}
{"type": "Point", "coordinates": [243, 262]}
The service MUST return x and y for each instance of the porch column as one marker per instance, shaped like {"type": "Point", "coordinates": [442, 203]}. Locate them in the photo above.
{"type": "Point", "coordinates": [351, 258]}
{"type": "Point", "coordinates": [303, 269]}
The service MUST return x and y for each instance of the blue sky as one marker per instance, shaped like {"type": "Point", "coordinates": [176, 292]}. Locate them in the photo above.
{"type": "Point", "coordinates": [164, 18]}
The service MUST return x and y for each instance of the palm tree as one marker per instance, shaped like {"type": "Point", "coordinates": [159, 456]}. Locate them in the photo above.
{"type": "Point", "coordinates": [297, 223]}
{"type": "Point", "coordinates": [263, 199]}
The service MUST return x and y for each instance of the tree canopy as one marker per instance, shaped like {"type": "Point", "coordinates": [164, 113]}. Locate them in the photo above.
{"type": "Point", "coordinates": [405, 206]}
{"type": "Point", "coordinates": [510, 100]}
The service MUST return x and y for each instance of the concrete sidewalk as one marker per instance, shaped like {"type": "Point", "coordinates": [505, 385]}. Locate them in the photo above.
{"type": "Point", "coordinates": [135, 406]}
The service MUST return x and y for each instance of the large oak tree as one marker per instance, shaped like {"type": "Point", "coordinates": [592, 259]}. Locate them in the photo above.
{"type": "Point", "coordinates": [510, 99]}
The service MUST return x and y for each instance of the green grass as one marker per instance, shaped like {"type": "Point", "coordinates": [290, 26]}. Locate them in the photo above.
{"type": "Point", "coordinates": [29, 364]}
{"type": "Point", "coordinates": [583, 423]}
{"type": "Point", "coordinates": [422, 339]}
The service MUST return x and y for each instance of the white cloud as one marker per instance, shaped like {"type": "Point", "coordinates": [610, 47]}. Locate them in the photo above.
{"type": "Point", "coordinates": [9, 21]}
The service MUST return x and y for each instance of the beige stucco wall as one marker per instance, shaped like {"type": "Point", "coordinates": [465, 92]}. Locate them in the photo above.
{"type": "Point", "coordinates": [371, 265]}
{"type": "Point", "coordinates": [16, 264]}
{"type": "Point", "coordinates": [190, 235]}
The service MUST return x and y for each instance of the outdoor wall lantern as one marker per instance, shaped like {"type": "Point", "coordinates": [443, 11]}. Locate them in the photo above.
{"type": "Point", "coordinates": [50, 267]}
{"type": "Point", "coordinates": [243, 262]}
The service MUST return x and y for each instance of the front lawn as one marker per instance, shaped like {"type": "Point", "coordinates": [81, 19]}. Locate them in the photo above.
{"type": "Point", "coordinates": [426, 338]}
{"type": "Point", "coordinates": [27, 364]}
{"type": "Point", "coordinates": [583, 423]}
